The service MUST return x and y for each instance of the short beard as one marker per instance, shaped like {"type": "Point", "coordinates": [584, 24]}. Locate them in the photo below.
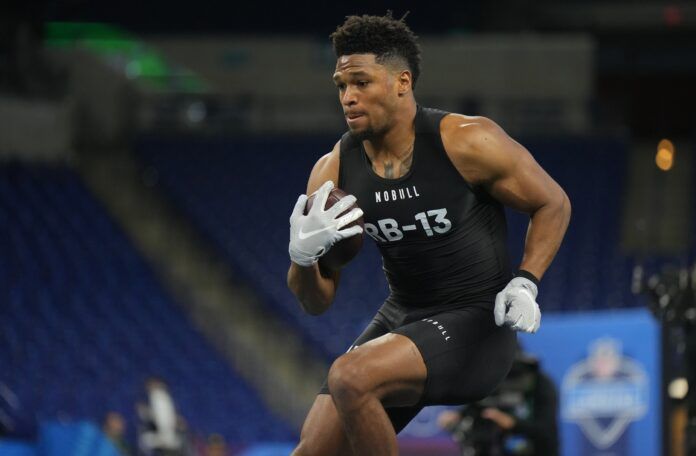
{"type": "Point", "coordinates": [363, 135]}
{"type": "Point", "coordinates": [369, 133]}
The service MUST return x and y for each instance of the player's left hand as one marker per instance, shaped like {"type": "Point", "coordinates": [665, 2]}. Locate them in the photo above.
{"type": "Point", "coordinates": [516, 306]}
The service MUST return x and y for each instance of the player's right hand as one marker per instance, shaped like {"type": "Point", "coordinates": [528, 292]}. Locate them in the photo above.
{"type": "Point", "coordinates": [312, 235]}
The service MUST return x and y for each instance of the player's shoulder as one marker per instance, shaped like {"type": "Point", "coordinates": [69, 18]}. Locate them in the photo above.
{"type": "Point", "coordinates": [326, 168]}
{"type": "Point", "coordinates": [461, 132]}
{"type": "Point", "coordinates": [334, 154]}
{"type": "Point", "coordinates": [473, 144]}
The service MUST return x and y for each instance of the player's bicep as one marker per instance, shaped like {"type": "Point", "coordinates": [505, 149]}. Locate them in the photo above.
{"type": "Point", "coordinates": [505, 168]}
{"type": "Point", "coordinates": [521, 183]}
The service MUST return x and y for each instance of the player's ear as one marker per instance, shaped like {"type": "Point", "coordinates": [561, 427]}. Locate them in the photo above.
{"type": "Point", "coordinates": [404, 82]}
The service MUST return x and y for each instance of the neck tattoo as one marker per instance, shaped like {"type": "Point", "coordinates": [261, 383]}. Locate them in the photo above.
{"type": "Point", "coordinates": [404, 164]}
{"type": "Point", "coordinates": [389, 169]}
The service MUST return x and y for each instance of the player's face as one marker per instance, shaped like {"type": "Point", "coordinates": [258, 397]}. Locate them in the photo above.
{"type": "Point", "coordinates": [368, 94]}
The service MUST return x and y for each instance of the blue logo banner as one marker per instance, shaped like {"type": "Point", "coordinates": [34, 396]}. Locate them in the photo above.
{"type": "Point", "coordinates": [606, 366]}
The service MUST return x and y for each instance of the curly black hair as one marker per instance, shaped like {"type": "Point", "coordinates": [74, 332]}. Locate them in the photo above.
{"type": "Point", "coordinates": [387, 38]}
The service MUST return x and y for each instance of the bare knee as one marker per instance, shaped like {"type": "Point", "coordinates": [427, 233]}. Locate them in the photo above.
{"type": "Point", "coordinates": [348, 381]}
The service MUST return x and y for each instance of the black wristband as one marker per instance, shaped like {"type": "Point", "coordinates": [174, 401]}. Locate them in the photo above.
{"type": "Point", "coordinates": [529, 276]}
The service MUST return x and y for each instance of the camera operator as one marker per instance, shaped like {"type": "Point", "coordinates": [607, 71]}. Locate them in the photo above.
{"type": "Point", "coordinates": [519, 418]}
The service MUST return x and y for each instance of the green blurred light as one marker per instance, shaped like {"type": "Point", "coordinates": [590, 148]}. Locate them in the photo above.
{"type": "Point", "coordinates": [113, 44]}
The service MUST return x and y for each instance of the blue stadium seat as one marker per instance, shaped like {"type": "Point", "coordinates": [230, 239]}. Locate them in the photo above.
{"type": "Point", "coordinates": [84, 320]}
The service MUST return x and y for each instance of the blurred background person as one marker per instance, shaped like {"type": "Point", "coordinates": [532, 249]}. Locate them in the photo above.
{"type": "Point", "coordinates": [216, 446]}
{"type": "Point", "coordinates": [114, 427]}
{"type": "Point", "coordinates": [159, 435]}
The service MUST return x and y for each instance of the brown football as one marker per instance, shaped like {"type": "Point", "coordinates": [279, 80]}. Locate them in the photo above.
{"type": "Point", "coordinates": [345, 250]}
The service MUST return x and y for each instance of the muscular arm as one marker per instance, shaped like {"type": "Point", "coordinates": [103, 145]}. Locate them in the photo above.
{"type": "Point", "coordinates": [485, 155]}
{"type": "Point", "coordinates": [314, 286]}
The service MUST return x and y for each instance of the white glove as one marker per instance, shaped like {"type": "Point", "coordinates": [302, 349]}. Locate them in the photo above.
{"type": "Point", "coordinates": [312, 235]}
{"type": "Point", "coordinates": [516, 306]}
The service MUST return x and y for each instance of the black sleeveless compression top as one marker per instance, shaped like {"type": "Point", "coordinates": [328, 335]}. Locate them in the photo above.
{"type": "Point", "coordinates": [443, 242]}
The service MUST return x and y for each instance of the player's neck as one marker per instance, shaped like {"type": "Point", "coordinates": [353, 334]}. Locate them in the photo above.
{"type": "Point", "coordinates": [396, 141]}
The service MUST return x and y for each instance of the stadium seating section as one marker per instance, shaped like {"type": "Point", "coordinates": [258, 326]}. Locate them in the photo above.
{"type": "Point", "coordinates": [83, 320]}
{"type": "Point", "coordinates": [240, 193]}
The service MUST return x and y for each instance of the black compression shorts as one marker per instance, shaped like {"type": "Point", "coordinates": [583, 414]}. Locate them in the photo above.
{"type": "Point", "coordinates": [465, 353]}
